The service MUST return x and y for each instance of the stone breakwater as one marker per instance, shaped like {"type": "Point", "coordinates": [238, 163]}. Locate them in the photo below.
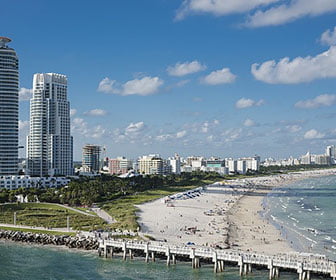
{"type": "Point", "coordinates": [73, 242]}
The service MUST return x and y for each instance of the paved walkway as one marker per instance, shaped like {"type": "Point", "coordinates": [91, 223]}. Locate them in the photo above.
{"type": "Point", "coordinates": [37, 228]}
{"type": "Point", "coordinates": [72, 209]}
{"type": "Point", "coordinates": [104, 215]}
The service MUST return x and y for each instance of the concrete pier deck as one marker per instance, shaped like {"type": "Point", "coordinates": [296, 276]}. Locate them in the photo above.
{"type": "Point", "coordinates": [302, 263]}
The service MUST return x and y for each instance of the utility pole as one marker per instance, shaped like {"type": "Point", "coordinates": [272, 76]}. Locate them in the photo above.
{"type": "Point", "coordinates": [14, 218]}
{"type": "Point", "coordinates": [68, 223]}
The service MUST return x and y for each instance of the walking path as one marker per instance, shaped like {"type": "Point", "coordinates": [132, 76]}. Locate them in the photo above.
{"type": "Point", "coordinates": [37, 228]}
{"type": "Point", "coordinates": [70, 208]}
{"type": "Point", "coordinates": [103, 215]}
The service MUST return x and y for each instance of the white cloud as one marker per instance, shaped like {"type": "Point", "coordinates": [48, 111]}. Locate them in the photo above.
{"type": "Point", "coordinates": [164, 137]}
{"type": "Point", "coordinates": [73, 112]}
{"type": "Point", "coordinates": [182, 83]}
{"type": "Point", "coordinates": [98, 132]}
{"type": "Point", "coordinates": [23, 125]}
{"type": "Point", "coordinates": [171, 136]}
{"type": "Point", "coordinates": [107, 85]}
{"type": "Point", "coordinates": [329, 37]}
{"type": "Point", "coordinates": [218, 7]}
{"type": "Point", "coordinates": [181, 134]}
{"type": "Point", "coordinates": [249, 123]}
{"type": "Point", "coordinates": [205, 127]}
{"type": "Point", "coordinates": [182, 69]}
{"type": "Point", "coordinates": [293, 128]}
{"type": "Point", "coordinates": [318, 101]}
{"type": "Point", "coordinates": [144, 86]}
{"type": "Point", "coordinates": [232, 134]}
{"type": "Point", "coordinates": [210, 138]}
{"type": "Point", "coordinates": [134, 128]}
{"type": "Point", "coordinates": [313, 134]}
{"type": "Point", "coordinates": [299, 70]}
{"type": "Point", "coordinates": [246, 103]}
{"type": "Point", "coordinates": [25, 94]}
{"type": "Point", "coordinates": [290, 11]}
{"type": "Point", "coordinates": [96, 113]}
{"type": "Point", "coordinates": [223, 76]}
{"type": "Point", "coordinates": [78, 125]}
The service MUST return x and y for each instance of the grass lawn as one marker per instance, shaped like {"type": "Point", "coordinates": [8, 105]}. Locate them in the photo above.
{"type": "Point", "coordinates": [38, 231]}
{"type": "Point", "coordinates": [124, 211]}
{"type": "Point", "coordinates": [47, 215]}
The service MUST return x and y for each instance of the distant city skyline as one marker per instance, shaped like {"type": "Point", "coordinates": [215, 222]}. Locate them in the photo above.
{"type": "Point", "coordinates": [192, 77]}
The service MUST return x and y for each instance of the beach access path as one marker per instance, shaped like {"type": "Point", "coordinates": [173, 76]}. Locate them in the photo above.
{"type": "Point", "coordinates": [103, 215]}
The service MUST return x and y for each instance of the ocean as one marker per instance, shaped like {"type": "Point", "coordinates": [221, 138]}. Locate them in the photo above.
{"type": "Point", "coordinates": [18, 262]}
{"type": "Point", "coordinates": [304, 211]}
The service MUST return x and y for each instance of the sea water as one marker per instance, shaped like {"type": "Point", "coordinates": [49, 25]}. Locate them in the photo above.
{"type": "Point", "coordinates": [305, 212]}
{"type": "Point", "coordinates": [19, 261]}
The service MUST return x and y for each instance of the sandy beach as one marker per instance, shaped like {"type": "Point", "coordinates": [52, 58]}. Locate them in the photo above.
{"type": "Point", "coordinates": [226, 215]}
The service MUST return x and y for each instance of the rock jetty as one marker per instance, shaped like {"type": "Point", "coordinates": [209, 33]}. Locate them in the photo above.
{"type": "Point", "coordinates": [85, 243]}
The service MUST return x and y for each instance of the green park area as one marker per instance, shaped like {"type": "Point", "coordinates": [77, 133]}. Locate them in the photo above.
{"type": "Point", "coordinates": [47, 215]}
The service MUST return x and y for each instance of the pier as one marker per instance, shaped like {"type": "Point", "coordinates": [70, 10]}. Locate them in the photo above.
{"type": "Point", "coordinates": [302, 263]}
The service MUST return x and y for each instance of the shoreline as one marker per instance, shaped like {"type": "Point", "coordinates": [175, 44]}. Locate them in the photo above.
{"type": "Point", "coordinates": [240, 224]}
{"type": "Point", "coordinates": [286, 240]}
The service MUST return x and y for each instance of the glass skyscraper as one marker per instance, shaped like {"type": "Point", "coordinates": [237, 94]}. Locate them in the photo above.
{"type": "Point", "coordinates": [9, 108]}
{"type": "Point", "coordinates": [50, 145]}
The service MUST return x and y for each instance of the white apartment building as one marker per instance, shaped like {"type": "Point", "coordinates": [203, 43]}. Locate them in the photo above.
{"type": "Point", "coordinates": [306, 159]}
{"type": "Point", "coordinates": [231, 164]}
{"type": "Point", "coordinates": [151, 164]}
{"type": "Point", "coordinates": [175, 164]}
{"type": "Point", "coordinates": [241, 166]}
{"type": "Point", "coordinates": [252, 163]}
{"type": "Point", "coordinates": [49, 143]}
{"type": "Point", "coordinates": [322, 159]}
{"type": "Point", "coordinates": [331, 152]}
{"type": "Point", "coordinates": [9, 108]}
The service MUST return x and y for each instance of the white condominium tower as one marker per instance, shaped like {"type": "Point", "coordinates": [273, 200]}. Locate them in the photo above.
{"type": "Point", "coordinates": [50, 145]}
{"type": "Point", "coordinates": [9, 108]}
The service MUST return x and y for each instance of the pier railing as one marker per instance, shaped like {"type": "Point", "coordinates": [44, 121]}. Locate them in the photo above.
{"type": "Point", "coordinates": [303, 264]}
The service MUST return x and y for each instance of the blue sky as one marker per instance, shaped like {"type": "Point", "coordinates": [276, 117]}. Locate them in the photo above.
{"type": "Point", "coordinates": [203, 77]}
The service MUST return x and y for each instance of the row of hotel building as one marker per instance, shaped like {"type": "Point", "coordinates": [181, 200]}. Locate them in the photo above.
{"type": "Point", "coordinates": [328, 158]}
{"type": "Point", "coordinates": [156, 165]}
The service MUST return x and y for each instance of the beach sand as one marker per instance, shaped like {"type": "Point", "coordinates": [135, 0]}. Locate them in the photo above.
{"type": "Point", "coordinates": [225, 215]}
{"type": "Point", "coordinates": [249, 231]}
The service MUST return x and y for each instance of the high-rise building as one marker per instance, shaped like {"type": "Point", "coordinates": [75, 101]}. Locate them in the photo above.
{"type": "Point", "coordinates": [50, 145]}
{"type": "Point", "coordinates": [331, 152]}
{"type": "Point", "coordinates": [9, 108]}
{"type": "Point", "coordinates": [91, 158]}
